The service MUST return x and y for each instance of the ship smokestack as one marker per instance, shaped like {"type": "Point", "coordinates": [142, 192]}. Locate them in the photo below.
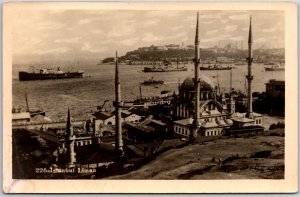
{"type": "Point", "coordinates": [118, 105]}
{"type": "Point", "coordinates": [196, 125]}
{"type": "Point", "coordinates": [250, 76]}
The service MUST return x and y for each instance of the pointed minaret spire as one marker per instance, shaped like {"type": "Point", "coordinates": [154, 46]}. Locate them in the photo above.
{"type": "Point", "coordinates": [197, 30]}
{"type": "Point", "coordinates": [196, 124]}
{"type": "Point", "coordinates": [118, 134]}
{"type": "Point", "coordinates": [250, 32]}
{"type": "Point", "coordinates": [250, 76]}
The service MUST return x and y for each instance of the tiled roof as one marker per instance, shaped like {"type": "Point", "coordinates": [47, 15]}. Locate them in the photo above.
{"type": "Point", "coordinates": [102, 115]}
{"type": "Point", "coordinates": [186, 122]}
{"type": "Point", "coordinates": [242, 119]}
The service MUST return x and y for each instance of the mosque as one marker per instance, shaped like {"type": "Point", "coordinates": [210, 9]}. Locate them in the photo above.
{"type": "Point", "coordinates": [199, 111]}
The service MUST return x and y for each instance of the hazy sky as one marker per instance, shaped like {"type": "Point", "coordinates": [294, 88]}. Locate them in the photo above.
{"type": "Point", "coordinates": [91, 35]}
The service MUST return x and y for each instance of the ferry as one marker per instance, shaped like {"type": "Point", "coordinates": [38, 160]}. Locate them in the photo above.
{"type": "Point", "coordinates": [215, 67]}
{"type": "Point", "coordinates": [165, 67]}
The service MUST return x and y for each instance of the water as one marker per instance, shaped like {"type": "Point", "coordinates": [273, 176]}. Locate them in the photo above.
{"type": "Point", "coordinates": [84, 94]}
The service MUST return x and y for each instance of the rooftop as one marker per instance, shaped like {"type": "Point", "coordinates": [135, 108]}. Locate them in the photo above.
{"type": "Point", "coordinates": [186, 122]}
{"type": "Point", "coordinates": [21, 116]}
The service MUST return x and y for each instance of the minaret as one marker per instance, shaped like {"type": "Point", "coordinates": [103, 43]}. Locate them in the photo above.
{"type": "Point", "coordinates": [197, 84]}
{"type": "Point", "coordinates": [231, 103]}
{"type": "Point", "coordinates": [250, 76]}
{"type": "Point", "coordinates": [70, 142]}
{"type": "Point", "coordinates": [118, 106]}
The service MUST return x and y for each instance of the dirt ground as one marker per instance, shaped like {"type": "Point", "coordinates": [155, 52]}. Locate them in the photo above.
{"type": "Point", "coordinates": [268, 120]}
{"type": "Point", "coordinates": [257, 157]}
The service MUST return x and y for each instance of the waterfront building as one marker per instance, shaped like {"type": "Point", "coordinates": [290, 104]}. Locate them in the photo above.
{"type": "Point", "coordinates": [20, 117]}
{"type": "Point", "coordinates": [275, 88]}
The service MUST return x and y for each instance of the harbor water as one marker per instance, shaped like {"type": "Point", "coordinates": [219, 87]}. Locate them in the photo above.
{"type": "Point", "coordinates": [82, 95]}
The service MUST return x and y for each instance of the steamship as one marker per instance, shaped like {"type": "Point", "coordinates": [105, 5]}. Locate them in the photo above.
{"type": "Point", "coordinates": [45, 74]}
{"type": "Point", "coordinates": [165, 67]}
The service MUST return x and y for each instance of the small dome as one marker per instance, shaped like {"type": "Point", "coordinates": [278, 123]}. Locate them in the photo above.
{"type": "Point", "coordinates": [209, 124]}
{"type": "Point", "coordinates": [205, 83]}
{"type": "Point", "coordinates": [229, 121]}
{"type": "Point", "coordinates": [221, 122]}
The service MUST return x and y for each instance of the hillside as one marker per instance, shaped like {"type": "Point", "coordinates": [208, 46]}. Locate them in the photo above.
{"type": "Point", "coordinates": [228, 158]}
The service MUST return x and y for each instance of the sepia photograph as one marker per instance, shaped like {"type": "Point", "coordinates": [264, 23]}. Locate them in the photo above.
{"type": "Point", "coordinates": [122, 91]}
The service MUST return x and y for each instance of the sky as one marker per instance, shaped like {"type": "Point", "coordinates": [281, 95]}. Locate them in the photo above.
{"type": "Point", "coordinates": [75, 35]}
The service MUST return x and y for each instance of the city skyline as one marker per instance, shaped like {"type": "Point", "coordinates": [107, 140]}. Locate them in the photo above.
{"type": "Point", "coordinates": [92, 35]}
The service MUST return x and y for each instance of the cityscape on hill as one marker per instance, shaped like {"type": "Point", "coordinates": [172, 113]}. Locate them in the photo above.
{"type": "Point", "coordinates": [173, 52]}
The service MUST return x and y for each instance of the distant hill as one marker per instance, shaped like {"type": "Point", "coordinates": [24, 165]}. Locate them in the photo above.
{"type": "Point", "coordinates": [172, 52]}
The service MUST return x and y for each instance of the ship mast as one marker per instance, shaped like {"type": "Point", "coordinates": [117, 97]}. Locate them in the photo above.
{"type": "Point", "coordinates": [140, 93]}
{"type": "Point", "coordinates": [27, 105]}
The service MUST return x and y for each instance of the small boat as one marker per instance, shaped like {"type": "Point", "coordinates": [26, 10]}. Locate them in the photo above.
{"type": "Point", "coordinates": [275, 68]}
{"type": "Point", "coordinates": [269, 63]}
{"type": "Point", "coordinates": [33, 112]}
{"type": "Point", "coordinates": [152, 82]}
{"type": "Point", "coordinates": [240, 63]}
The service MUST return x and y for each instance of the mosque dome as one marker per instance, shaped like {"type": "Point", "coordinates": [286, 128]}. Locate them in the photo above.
{"type": "Point", "coordinates": [205, 84]}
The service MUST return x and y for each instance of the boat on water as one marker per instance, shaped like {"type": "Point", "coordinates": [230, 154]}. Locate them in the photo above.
{"type": "Point", "coordinates": [165, 67]}
{"type": "Point", "coordinates": [45, 74]}
{"type": "Point", "coordinates": [269, 63]}
{"type": "Point", "coordinates": [215, 67]}
{"type": "Point", "coordinates": [152, 81]}
{"type": "Point", "coordinates": [275, 68]}
{"type": "Point", "coordinates": [33, 112]}
{"type": "Point", "coordinates": [240, 63]}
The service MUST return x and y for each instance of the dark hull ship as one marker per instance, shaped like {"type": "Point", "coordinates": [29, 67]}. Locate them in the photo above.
{"type": "Point", "coordinates": [46, 74]}
{"type": "Point", "coordinates": [274, 68]}
{"type": "Point", "coordinates": [215, 67]}
{"type": "Point", "coordinates": [152, 82]}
